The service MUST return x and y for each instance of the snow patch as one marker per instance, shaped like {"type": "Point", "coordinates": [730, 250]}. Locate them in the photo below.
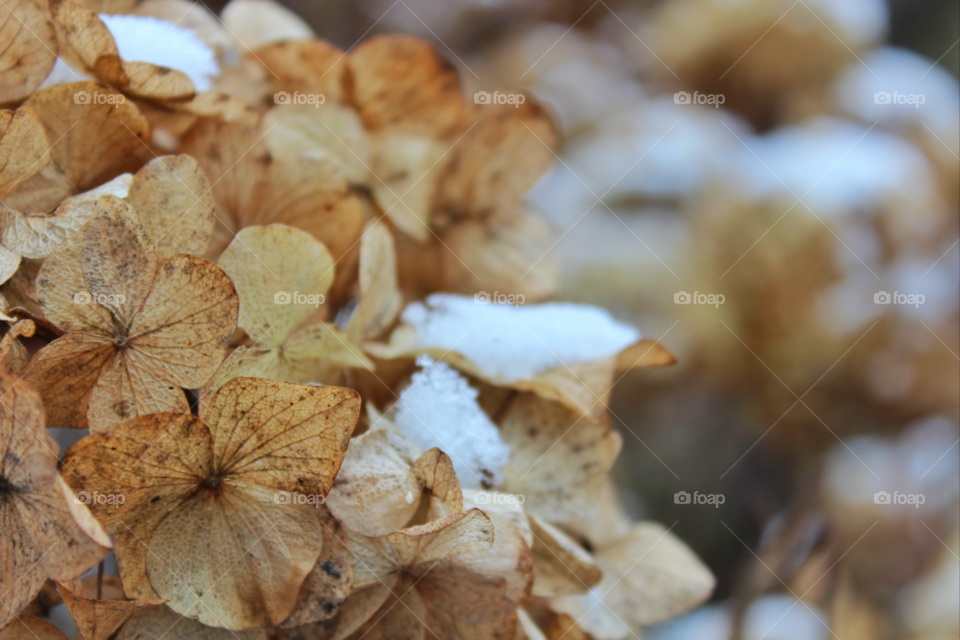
{"type": "Point", "coordinates": [148, 39]}
{"type": "Point", "coordinates": [511, 342]}
{"type": "Point", "coordinates": [439, 409]}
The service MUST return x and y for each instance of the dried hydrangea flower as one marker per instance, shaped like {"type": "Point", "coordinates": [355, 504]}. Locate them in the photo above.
{"type": "Point", "coordinates": [202, 493]}
{"type": "Point", "coordinates": [282, 276]}
{"type": "Point", "coordinates": [47, 532]}
{"type": "Point", "coordinates": [29, 52]}
{"type": "Point", "coordinates": [139, 328]}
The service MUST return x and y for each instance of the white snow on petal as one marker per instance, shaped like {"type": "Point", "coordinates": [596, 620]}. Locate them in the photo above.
{"type": "Point", "coordinates": [516, 342]}
{"type": "Point", "coordinates": [439, 409]}
{"type": "Point", "coordinates": [148, 39]}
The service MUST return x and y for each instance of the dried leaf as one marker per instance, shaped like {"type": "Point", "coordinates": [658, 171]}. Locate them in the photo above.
{"type": "Point", "coordinates": [645, 353]}
{"type": "Point", "coordinates": [202, 493]}
{"type": "Point", "coordinates": [401, 83]}
{"type": "Point", "coordinates": [139, 329]}
{"type": "Point", "coordinates": [47, 532]}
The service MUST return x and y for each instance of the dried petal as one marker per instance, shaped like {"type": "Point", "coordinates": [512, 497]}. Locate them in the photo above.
{"type": "Point", "coordinates": [402, 83]}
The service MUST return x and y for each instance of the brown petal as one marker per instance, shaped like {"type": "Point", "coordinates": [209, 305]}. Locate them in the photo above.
{"type": "Point", "coordinates": [402, 83]}
{"type": "Point", "coordinates": [308, 66]}
{"type": "Point", "coordinates": [24, 148]}
{"type": "Point", "coordinates": [30, 628]}
{"type": "Point", "coordinates": [88, 141]}
{"type": "Point", "coordinates": [380, 298]}
{"type": "Point", "coordinates": [331, 580]}
{"type": "Point", "coordinates": [171, 196]}
{"type": "Point", "coordinates": [561, 566]}
{"type": "Point", "coordinates": [28, 49]}
{"type": "Point", "coordinates": [498, 160]}
{"type": "Point", "coordinates": [558, 460]}
{"type": "Point", "coordinates": [99, 619]}
{"type": "Point", "coordinates": [47, 533]}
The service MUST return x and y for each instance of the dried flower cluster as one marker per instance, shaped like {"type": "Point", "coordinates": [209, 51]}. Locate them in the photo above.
{"type": "Point", "coordinates": [298, 424]}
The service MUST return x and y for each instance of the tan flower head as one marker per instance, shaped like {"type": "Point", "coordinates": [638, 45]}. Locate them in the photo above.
{"type": "Point", "coordinates": [282, 276]}
{"type": "Point", "coordinates": [208, 521]}
{"type": "Point", "coordinates": [47, 532]}
{"type": "Point", "coordinates": [138, 327]}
